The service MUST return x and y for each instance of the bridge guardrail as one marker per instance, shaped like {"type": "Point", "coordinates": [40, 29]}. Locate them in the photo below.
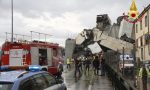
{"type": "Point", "coordinates": [118, 81]}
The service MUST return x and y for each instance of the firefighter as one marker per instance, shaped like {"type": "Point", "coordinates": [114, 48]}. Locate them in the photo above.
{"type": "Point", "coordinates": [96, 64]}
{"type": "Point", "coordinates": [87, 64]}
{"type": "Point", "coordinates": [68, 63]}
{"type": "Point", "coordinates": [80, 63]}
{"type": "Point", "coordinates": [144, 73]}
{"type": "Point", "coordinates": [77, 69]}
{"type": "Point", "coordinates": [103, 66]}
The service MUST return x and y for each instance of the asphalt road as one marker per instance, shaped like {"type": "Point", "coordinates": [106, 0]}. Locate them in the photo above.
{"type": "Point", "coordinates": [79, 83]}
{"type": "Point", "coordinates": [87, 81]}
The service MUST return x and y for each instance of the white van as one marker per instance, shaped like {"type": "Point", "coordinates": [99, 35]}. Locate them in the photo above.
{"type": "Point", "coordinates": [128, 62]}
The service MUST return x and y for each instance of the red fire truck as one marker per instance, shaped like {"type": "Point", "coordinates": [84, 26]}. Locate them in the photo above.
{"type": "Point", "coordinates": [48, 55]}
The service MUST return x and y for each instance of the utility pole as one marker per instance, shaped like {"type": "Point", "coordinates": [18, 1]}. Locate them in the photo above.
{"type": "Point", "coordinates": [123, 62]}
{"type": "Point", "coordinates": [12, 22]}
{"type": "Point", "coordinates": [148, 31]}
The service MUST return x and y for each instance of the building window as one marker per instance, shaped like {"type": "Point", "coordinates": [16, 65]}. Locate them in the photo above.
{"type": "Point", "coordinates": [141, 24]}
{"type": "Point", "coordinates": [142, 53]}
{"type": "Point", "coordinates": [141, 41]}
{"type": "Point", "coordinates": [147, 38]}
{"type": "Point", "coordinates": [146, 41]}
{"type": "Point", "coordinates": [136, 27]}
{"type": "Point", "coordinates": [146, 21]}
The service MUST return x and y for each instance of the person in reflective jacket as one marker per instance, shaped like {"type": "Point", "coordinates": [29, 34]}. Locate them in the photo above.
{"type": "Point", "coordinates": [68, 63]}
{"type": "Point", "coordinates": [144, 73]}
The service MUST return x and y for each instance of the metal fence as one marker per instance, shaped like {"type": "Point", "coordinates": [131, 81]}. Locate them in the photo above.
{"type": "Point", "coordinates": [121, 81]}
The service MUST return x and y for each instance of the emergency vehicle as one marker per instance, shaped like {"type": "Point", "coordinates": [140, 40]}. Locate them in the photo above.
{"type": "Point", "coordinates": [20, 53]}
{"type": "Point", "coordinates": [29, 77]}
{"type": "Point", "coordinates": [128, 63]}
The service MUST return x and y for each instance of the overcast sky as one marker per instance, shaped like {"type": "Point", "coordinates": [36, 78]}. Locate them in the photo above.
{"type": "Point", "coordinates": [60, 18]}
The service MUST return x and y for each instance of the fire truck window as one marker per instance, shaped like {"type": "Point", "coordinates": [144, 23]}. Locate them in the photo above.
{"type": "Point", "coordinates": [43, 57]}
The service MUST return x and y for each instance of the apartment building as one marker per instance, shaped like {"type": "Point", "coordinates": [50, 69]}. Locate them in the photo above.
{"type": "Point", "coordinates": [142, 35]}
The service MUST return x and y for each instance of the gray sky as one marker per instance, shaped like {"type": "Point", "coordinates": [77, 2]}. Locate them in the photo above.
{"type": "Point", "coordinates": [60, 18]}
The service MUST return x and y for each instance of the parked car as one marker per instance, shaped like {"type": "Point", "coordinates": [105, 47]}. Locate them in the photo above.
{"type": "Point", "coordinates": [30, 80]}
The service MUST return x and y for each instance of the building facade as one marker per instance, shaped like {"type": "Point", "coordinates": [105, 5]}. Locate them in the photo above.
{"type": "Point", "coordinates": [142, 35]}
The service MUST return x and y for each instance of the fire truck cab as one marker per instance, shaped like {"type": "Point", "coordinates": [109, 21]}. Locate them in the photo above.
{"type": "Point", "coordinates": [48, 55]}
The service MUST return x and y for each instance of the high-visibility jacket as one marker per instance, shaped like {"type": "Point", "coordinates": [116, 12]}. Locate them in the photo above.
{"type": "Point", "coordinates": [68, 61]}
{"type": "Point", "coordinates": [147, 71]}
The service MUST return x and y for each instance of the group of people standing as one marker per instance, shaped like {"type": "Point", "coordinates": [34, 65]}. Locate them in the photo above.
{"type": "Point", "coordinates": [96, 62]}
